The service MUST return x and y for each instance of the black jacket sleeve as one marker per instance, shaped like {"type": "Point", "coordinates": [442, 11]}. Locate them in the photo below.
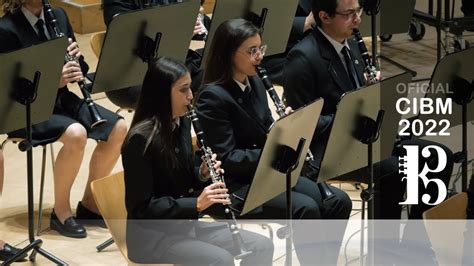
{"type": "Point", "coordinates": [141, 200]}
{"type": "Point", "coordinates": [300, 84]}
{"type": "Point", "coordinates": [217, 123]}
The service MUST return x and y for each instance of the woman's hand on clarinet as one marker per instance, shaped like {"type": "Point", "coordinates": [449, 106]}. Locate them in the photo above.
{"type": "Point", "coordinates": [73, 49]}
{"type": "Point", "coordinates": [71, 72]}
{"type": "Point", "coordinates": [205, 171]}
{"type": "Point", "coordinates": [214, 193]}
{"type": "Point", "coordinates": [288, 110]}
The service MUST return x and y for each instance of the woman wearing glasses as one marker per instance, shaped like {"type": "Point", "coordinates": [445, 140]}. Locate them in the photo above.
{"type": "Point", "coordinates": [233, 109]}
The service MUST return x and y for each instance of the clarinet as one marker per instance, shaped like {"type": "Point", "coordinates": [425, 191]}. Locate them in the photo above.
{"type": "Point", "coordinates": [217, 177]}
{"type": "Point", "coordinates": [50, 20]}
{"type": "Point", "coordinates": [370, 68]}
{"type": "Point", "coordinates": [324, 188]}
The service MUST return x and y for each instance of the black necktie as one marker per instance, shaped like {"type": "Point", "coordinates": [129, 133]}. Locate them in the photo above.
{"type": "Point", "coordinates": [249, 101]}
{"type": "Point", "coordinates": [247, 92]}
{"type": "Point", "coordinates": [40, 27]}
{"type": "Point", "coordinates": [350, 67]}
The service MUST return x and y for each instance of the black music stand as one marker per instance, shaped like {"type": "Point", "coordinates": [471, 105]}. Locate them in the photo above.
{"type": "Point", "coordinates": [352, 146]}
{"type": "Point", "coordinates": [30, 77]}
{"type": "Point", "coordinates": [136, 37]}
{"type": "Point", "coordinates": [455, 72]}
{"type": "Point", "coordinates": [275, 17]}
{"type": "Point", "coordinates": [280, 163]}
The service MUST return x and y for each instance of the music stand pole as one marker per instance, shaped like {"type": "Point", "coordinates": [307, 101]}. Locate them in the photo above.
{"type": "Point", "coordinates": [367, 133]}
{"type": "Point", "coordinates": [26, 96]}
{"type": "Point", "coordinates": [289, 215]}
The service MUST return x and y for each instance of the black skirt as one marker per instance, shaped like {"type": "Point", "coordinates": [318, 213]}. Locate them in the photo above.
{"type": "Point", "coordinates": [69, 109]}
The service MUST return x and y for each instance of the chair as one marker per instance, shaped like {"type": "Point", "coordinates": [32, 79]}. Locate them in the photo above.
{"type": "Point", "coordinates": [123, 97]}
{"type": "Point", "coordinates": [97, 40]}
{"type": "Point", "coordinates": [43, 173]}
{"type": "Point", "coordinates": [109, 195]}
{"type": "Point", "coordinates": [450, 209]}
{"type": "Point", "coordinates": [447, 236]}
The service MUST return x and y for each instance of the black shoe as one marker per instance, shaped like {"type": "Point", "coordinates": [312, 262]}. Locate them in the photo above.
{"type": "Point", "coordinates": [8, 252]}
{"type": "Point", "coordinates": [88, 217]}
{"type": "Point", "coordinates": [70, 228]}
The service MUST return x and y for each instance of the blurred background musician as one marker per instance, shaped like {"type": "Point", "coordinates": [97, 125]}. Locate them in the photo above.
{"type": "Point", "coordinates": [302, 25]}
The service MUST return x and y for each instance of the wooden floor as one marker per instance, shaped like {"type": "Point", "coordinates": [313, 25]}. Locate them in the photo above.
{"type": "Point", "coordinates": [420, 56]}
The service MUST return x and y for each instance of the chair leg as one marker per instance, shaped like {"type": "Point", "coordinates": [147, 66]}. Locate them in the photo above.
{"type": "Point", "coordinates": [51, 148]}
{"type": "Point", "coordinates": [40, 205]}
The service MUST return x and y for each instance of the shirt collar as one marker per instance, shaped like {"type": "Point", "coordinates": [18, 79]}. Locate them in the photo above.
{"type": "Point", "coordinates": [176, 123]}
{"type": "Point", "coordinates": [242, 86]}
{"type": "Point", "coordinates": [337, 45]}
{"type": "Point", "coordinates": [32, 19]}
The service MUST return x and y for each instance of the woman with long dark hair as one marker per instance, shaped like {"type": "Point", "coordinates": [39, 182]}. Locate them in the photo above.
{"type": "Point", "coordinates": [233, 109]}
{"type": "Point", "coordinates": [163, 193]}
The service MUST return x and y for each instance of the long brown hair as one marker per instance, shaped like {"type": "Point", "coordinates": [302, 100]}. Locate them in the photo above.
{"type": "Point", "coordinates": [153, 114]}
{"type": "Point", "coordinates": [227, 39]}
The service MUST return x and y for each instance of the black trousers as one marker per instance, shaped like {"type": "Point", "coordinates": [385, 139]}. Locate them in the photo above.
{"type": "Point", "coordinates": [316, 238]}
{"type": "Point", "coordinates": [216, 248]}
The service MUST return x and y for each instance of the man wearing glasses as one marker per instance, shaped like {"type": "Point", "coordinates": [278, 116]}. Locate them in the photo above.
{"type": "Point", "coordinates": [327, 64]}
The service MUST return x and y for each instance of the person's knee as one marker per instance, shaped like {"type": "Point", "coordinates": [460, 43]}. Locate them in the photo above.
{"type": "Point", "coordinates": [345, 204]}
{"type": "Point", "coordinates": [120, 131]}
{"type": "Point", "coordinates": [222, 257]}
{"type": "Point", "coordinates": [75, 136]}
{"type": "Point", "coordinates": [307, 209]}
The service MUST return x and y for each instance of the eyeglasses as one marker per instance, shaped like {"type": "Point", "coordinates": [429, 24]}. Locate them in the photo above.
{"type": "Point", "coordinates": [253, 52]}
{"type": "Point", "coordinates": [351, 13]}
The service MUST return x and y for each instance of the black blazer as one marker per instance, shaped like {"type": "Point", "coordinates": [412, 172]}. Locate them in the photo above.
{"type": "Point", "coordinates": [155, 193]}
{"type": "Point", "coordinates": [314, 70]}
{"type": "Point", "coordinates": [235, 127]}
{"type": "Point", "coordinates": [17, 33]}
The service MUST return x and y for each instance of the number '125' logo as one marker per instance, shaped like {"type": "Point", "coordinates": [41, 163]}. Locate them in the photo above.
{"type": "Point", "coordinates": [409, 167]}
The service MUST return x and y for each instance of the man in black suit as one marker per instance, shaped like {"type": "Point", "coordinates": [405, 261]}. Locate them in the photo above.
{"type": "Point", "coordinates": [24, 25]}
{"type": "Point", "coordinates": [327, 64]}
{"type": "Point", "coordinates": [302, 24]}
